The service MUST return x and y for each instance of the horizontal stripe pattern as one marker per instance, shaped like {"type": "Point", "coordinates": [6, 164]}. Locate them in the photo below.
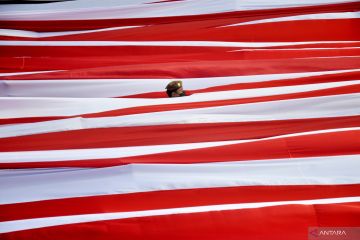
{"type": "Point", "coordinates": [172, 199]}
{"type": "Point", "coordinates": [170, 134]}
{"type": "Point", "coordinates": [296, 217]}
{"type": "Point", "coordinates": [136, 9]}
{"type": "Point", "coordinates": [144, 88]}
{"type": "Point", "coordinates": [34, 185]}
{"type": "Point", "coordinates": [340, 105]}
{"type": "Point", "coordinates": [292, 145]}
{"type": "Point", "coordinates": [268, 134]}
{"type": "Point", "coordinates": [48, 222]}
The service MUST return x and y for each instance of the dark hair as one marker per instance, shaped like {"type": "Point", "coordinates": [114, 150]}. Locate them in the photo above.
{"type": "Point", "coordinates": [169, 93]}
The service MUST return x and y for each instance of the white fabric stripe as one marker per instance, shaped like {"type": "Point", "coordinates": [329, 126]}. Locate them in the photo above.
{"type": "Point", "coordinates": [13, 107]}
{"type": "Point", "coordinates": [304, 108]}
{"type": "Point", "coordinates": [18, 225]}
{"type": "Point", "coordinates": [27, 186]}
{"type": "Point", "coordinates": [99, 153]}
{"type": "Point", "coordinates": [321, 16]}
{"type": "Point", "coordinates": [37, 107]}
{"type": "Point", "coordinates": [91, 9]}
{"type": "Point", "coordinates": [119, 152]}
{"type": "Point", "coordinates": [32, 34]}
{"type": "Point", "coordinates": [163, 43]}
{"type": "Point", "coordinates": [82, 88]}
{"type": "Point", "coordinates": [25, 73]}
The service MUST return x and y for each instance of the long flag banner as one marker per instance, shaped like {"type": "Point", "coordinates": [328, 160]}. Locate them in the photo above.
{"type": "Point", "coordinates": [265, 144]}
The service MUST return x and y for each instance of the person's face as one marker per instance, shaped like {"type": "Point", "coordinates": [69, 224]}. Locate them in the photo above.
{"type": "Point", "coordinates": [177, 93]}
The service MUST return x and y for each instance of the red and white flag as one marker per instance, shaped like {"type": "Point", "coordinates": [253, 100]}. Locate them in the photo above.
{"type": "Point", "coordinates": [265, 145]}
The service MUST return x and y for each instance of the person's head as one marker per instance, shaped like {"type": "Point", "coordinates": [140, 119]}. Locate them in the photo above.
{"type": "Point", "coordinates": [175, 89]}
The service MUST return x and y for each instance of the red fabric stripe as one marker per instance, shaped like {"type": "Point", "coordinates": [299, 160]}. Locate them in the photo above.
{"type": "Point", "coordinates": [135, 53]}
{"type": "Point", "coordinates": [276, 222]}
{"type": "Point", "coordinates": [202, 69]}
{"type": "Point", "coordinates": [28, 120]}
{"type": "Point", "coordinates": [170, 134]}
{"type": "Point", "coordinates": [315, 145]}
{"type": "Point", "coordinates": [173, 199]}
{"type": "Point", "coordinates": [59, 58]}
{"type": "Point", "coordinates": [289, 31]}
